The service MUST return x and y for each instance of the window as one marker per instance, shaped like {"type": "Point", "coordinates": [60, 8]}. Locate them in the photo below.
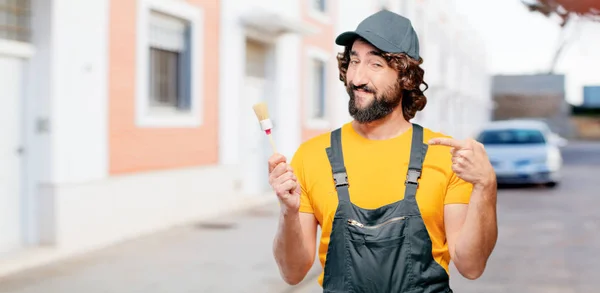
{"type": "Point", "coordinates": [511, 137]}
{"type": "Point", "coordinates": [319, 5]}
{"type": "Point", "coordinates": [317, 9]}
{"type": "Point", "coordinates": [317, 85]}
{"type": "Point", "coordinates": [169, 63]}
{"type": "Point", "coordinates": [169, 58]}
{"type": "Point", "coordinates": [318, 73]}
{"type": "Point", "coordinates": [15, 20]}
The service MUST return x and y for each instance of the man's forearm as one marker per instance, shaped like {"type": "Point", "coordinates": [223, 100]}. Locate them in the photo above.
{"type": "Point", "coordinates": [479, 233]}
{"type": "Point", "coordinates": [290, 252]}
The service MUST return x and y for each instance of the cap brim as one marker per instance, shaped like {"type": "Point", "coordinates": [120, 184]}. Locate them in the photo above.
{"type": "Point", "coordinates": [346, 38]}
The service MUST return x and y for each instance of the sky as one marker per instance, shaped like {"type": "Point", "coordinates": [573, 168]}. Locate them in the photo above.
{"type": "Point", "coordinates": [518, 41]}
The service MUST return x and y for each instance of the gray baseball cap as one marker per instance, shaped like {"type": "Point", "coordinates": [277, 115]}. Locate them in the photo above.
{"type": "Point", "coordinates": [387, 31]}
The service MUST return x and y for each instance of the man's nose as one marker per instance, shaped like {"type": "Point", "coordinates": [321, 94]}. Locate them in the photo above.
{"type": "Point", "coordinates": [359, 78]}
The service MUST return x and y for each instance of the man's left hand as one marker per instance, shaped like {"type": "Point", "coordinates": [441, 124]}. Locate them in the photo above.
{"type": "Point", "coordinates": [469, 161]}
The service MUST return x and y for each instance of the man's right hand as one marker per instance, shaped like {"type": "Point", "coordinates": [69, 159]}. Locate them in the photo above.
{"type": "Point", "coordinates": [284, 183]}
{"type": "Point", "coordinates": [295, 243]}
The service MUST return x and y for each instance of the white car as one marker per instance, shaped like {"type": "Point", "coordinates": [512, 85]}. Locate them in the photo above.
{"type": "Point", "coordinates": [523, 151]}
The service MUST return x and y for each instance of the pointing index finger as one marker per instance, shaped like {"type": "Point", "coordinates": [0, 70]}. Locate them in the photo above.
{"type": "Point", "coordinates": [447, 142]}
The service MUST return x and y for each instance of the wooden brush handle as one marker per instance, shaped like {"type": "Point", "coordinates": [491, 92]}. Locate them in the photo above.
{"type": "Point", "coordinates": [272, 143]}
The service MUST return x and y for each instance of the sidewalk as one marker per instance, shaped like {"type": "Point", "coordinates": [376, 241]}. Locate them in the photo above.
{"type": "Point", "coordinates": [229, 255]}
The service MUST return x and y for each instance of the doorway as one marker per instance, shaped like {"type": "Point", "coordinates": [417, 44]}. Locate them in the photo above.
{"type": "Point", "coordinates": [255, 147]}
{"type": "Point", "coordinates": [11, 228]}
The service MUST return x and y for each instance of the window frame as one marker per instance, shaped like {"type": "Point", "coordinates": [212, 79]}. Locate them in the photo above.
{"type": "Point", "coordinates": [321, 55]}
{"type": "Point", "coordinates": [16, 49]}
{"type": "Point", "coordinates": [157, 117]}
{"type": "Point", "coordinates": [316, 14]}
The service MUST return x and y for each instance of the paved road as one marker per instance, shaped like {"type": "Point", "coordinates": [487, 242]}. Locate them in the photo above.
{"type": "Point", "coordinates": [549, 241]}
{"type": "Point", "coordinates": [222, 256]}
{"type": "Point", "coordinates": [582, 154]}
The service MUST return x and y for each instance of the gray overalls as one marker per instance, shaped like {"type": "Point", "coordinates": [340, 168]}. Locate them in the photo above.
{"type": "Point", "coordinates": [381, 250]}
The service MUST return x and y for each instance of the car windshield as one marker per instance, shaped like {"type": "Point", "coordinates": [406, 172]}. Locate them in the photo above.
{"type": "Point", "coordinates": [511, 137]}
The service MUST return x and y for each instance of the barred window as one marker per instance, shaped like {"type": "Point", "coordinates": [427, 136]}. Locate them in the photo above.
{"type": "Point", "coordinates": [15, 17]}
{"type": "Point", "coordinates": [169, 45]}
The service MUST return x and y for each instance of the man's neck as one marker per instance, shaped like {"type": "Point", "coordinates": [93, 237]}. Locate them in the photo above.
{"type": "Point", "coordinates": [388, 127]}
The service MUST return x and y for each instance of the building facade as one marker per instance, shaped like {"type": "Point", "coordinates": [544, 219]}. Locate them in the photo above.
{"type": "Point", "coordinates": [591, 96]}
{"type": "Point", "coordinates": [538, 96]}
{"type": "Point", "coordinates": [126, 117]}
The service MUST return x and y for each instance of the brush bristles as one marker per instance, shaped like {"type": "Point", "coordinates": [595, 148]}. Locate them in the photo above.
{"type": "Point", "coordinates": [261, 111]}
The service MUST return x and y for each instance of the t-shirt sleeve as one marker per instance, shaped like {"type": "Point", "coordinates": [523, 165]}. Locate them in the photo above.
{"type": "Point", "coordinates": [458, 190]}
{"type": "Point", "coordinates": [297, 164]}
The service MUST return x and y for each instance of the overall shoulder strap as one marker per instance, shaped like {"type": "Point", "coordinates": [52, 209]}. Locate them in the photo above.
{"type": "Point", "coordinates": [336, 159]}
{"type": "Point", "coordinates": [418, 150]}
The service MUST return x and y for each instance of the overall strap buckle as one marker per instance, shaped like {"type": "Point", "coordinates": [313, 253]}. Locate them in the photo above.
{"type": "Point", "coordinates": [412, 177]}
{"type": "Point", "coordinates": [340, 179]}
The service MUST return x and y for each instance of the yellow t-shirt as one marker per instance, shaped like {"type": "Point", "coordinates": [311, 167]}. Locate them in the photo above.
{"type": "Point", "coordinates": [376, 171]}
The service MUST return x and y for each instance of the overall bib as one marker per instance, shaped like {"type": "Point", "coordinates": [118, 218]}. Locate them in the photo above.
{"type": "Point", "coordinates": [381, 250]}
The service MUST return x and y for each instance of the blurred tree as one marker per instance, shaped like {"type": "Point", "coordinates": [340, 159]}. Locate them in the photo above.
{"type": "Point", "coordinates": [565, 10]}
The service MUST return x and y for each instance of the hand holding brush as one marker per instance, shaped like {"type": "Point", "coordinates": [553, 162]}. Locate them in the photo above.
{"type": "Point", "coordinates": [281, 176]}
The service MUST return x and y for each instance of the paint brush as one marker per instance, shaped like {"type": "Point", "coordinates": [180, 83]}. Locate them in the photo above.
{"type": "Point", "coordinates": [262, 114]}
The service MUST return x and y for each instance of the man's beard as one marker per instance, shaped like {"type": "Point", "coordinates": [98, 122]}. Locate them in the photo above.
{"type": "Point", "coordinates": [382, 105]}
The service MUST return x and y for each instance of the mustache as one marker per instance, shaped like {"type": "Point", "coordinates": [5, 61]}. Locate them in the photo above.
{"type": "Point", "coordinates": [363, 87]}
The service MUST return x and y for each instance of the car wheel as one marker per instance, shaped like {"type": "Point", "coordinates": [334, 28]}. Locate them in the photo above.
{"type": "Point", "coordinates": [551, 184]}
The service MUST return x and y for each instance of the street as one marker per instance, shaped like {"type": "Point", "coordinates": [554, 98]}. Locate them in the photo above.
{"type": "Point", "coordinates": [548, 242]}
{"type": "Point", "coordinates": [548, 239]}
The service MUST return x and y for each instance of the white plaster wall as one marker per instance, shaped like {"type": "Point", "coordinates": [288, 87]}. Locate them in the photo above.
{"type": "Point", "coordinates": [78, 89]}
{"type": "Point", "coordinates": [287, 94]}
{"type": "Point", "coordinates": [231, 63]}
{"type": "Point", "coordinates": [117, 208]}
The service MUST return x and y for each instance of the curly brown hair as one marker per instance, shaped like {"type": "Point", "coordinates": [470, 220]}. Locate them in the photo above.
{"type": "Point", "coordinates": [410, 78]}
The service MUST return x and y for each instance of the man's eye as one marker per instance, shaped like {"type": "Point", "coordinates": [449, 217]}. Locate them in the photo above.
{"type": "Point", "coordinates": [353, 61]}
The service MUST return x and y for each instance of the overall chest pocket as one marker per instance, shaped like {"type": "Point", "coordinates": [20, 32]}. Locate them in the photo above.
{"type": "Point", "coordinates": [379, 256]}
